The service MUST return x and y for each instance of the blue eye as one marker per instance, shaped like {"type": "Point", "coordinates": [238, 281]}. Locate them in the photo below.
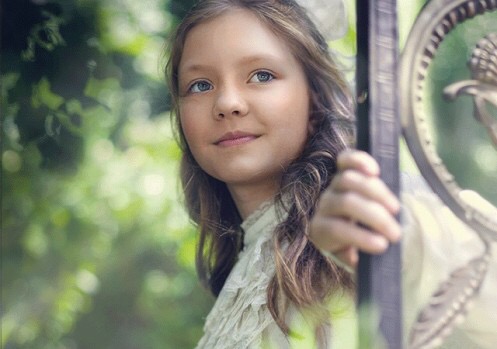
{"type": "Point", "coordinates": [262, 76]}
{"type": "Point", "coordinates": [200, 86]}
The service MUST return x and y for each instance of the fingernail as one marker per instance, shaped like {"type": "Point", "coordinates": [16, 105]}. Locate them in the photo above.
{"type": "Point", "coordinates": [393, 204]}
{"type": "Point", "coordinates": [396, 233]}
{"type": "Point", "coordinates": [382, 243]}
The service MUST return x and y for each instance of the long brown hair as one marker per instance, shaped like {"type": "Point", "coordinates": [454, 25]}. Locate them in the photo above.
{"type": "Point", "coordinates": [303, 276]}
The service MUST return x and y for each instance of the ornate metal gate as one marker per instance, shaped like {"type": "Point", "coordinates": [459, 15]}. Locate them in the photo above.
{"type": "Point", "coordinates": [432, 98]}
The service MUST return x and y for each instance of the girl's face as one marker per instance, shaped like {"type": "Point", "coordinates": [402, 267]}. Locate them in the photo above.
{"type": "Point", "coordinates": [244, 102]}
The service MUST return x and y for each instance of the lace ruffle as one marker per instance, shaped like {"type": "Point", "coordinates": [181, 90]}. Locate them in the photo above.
{"type": "Point", "coordinates": [240, 314]}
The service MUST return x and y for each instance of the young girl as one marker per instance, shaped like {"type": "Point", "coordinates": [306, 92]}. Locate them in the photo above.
{"type": "Point", "coordinates": [262, 113]}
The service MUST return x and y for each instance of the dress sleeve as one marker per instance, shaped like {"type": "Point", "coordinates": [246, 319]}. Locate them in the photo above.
{"type": "Point", "coordinates": [435, 243]}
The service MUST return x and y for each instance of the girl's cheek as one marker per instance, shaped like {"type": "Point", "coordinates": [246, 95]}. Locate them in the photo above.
{"type": "Point", "coordinates": [191, 126]}
{"type": "Point", "coordinates": [187, 128]}
{"type": "Point", "coordinates": [184, 118]}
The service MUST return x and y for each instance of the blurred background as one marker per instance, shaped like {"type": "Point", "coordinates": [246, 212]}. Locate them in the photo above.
{"type": "Point", "coordinates": [97, 251]}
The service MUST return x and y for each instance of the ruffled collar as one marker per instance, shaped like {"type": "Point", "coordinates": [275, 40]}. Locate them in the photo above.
{"type": "Point", "coordinates": [240, 314]}
{"type": "Point", "coordinates": [264, 219]}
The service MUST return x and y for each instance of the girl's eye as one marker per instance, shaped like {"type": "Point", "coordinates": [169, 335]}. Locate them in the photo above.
{"type": "Point", "coordinates": [199, 86]}
{"type": "Point", "coordinates": [262, 76]}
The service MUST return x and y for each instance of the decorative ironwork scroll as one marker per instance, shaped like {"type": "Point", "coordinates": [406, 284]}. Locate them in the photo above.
{"type": "Point", "coordinates": [379, 291]}
{"type": "Point", "coordinates": [439, 20]}
{"type": "Point", "coordinates": [449, 109]}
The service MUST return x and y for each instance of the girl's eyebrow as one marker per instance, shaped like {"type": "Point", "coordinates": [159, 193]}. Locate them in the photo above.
{"type": "Point", "coordinates": [194, 67]}
{"type": "Point", "coordinates": [260, 57]}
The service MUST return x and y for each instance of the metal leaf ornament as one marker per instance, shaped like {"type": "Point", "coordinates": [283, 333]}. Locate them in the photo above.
{"type": "Point", "coordinates": [483, 86]}
{"type": "Point", "coordinates": [449, 304]}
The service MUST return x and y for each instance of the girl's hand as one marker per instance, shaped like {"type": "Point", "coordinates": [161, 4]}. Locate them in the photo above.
{"type": "Point", "coordinates": [356, 212]}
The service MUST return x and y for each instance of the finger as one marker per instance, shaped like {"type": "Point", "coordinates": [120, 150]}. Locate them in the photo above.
{"type": "Point", "coordinates": [358, 160]}
{"type": "Point", "coordinates": [348, 256]}
{"type": "Point", "coordinates": [372, 188]}
{"type": "Point", "coordinates": [357, 208]}
{"type": "Point", "coordinates": [346, 259]}
{"type": "Point", "coordinates": [352, 256]}
{"type": "Point", "coordinates": [338, 234]}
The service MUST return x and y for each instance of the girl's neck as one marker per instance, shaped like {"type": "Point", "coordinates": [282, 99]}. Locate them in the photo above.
{"type": "Point", "coordinates": [248, 199]}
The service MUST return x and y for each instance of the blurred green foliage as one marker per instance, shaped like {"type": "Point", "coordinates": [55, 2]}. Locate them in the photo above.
{"type": "Point", "coordinates": [97, 251]}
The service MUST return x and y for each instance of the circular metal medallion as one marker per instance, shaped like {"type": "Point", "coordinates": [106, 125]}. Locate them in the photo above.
{"type": "Point", "coordinates": [448, 82]}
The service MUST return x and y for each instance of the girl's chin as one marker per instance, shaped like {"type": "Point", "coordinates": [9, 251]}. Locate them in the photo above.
{"type": "Point", "coordinates": [254, 185]}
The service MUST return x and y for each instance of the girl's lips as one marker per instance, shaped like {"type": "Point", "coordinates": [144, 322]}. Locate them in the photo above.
{"type": "Point", "coordinates": [235, 138]}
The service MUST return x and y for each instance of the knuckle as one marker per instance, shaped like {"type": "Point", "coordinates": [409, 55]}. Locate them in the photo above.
{"type": "Point", "coordinates": [327, 195]}
{"type": "Point", "coordinates": [325, 205]}
{"type": "Point", "coordinates": [384, 220]}
{"type": "Point", "coordinates": [344, 155]}
{"type": "Point", "coordinates": [348, 201]}
{"type": "Point", "coordinates": [336, 181]}
{"type": "Point", "coordinates": [317, 229]}
{"type": "Point", "coordinates": [323, 234]}
{"type": "Point", "coordinates": [349, 178]}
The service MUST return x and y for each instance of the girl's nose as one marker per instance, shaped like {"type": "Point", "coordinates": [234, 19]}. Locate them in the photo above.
{"type": "Point", "coordinates": [230, 102]}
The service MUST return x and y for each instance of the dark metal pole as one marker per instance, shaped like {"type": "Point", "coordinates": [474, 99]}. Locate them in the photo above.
{"type": "Point", "coordinates": [379, 277]}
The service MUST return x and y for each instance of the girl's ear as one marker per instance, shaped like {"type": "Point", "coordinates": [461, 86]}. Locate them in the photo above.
{"type": "Point", "coordinates": [313, 115]}
{"type": "Point", "coordinates": [311, 125]}
{"type": "Point", "coordinates": [313, 121]}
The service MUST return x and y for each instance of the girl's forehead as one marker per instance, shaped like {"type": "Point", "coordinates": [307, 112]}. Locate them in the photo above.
{"type": "Point", "coordinates": [237, 20]}
{"type": "Point", "coordinates": [232, 19]}
{"type": "Point", "coordinates": [234, 33]}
